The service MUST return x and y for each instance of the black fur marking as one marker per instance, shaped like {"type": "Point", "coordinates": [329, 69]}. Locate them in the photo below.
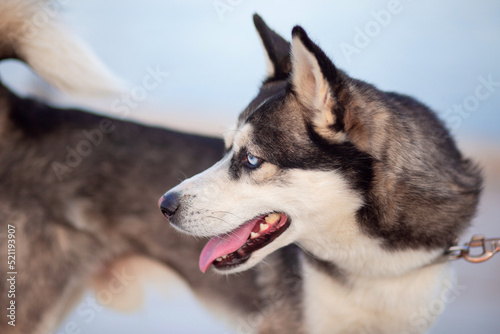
{"type": "Point", "coordinates": [280, 147]}
{"type": "Point", "coordinates": [355, 164]}
{"type": "Point", "coordinates": [277, 48]}
{"type": "Point", "coordinates": [235, 167]}
{"type": "Point", "coordinates": [267, 94]}
{"type": "Point", "coordinates": [327, 267]}
{"type": "Point", "coordinates": [339, 112]}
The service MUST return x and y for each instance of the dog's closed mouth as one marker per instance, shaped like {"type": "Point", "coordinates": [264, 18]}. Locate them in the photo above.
{"type": "Point", "coordinates": [234, 248]}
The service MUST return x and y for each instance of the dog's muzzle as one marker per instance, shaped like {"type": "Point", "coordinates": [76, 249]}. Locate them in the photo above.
{"type": "Point", "coordinates": [169, 203]}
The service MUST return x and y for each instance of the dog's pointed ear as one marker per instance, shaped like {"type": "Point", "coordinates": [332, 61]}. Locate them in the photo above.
{"type": "Point", "coordinates": [277, 50]}
{"type": "Point", "coordinates": [316, 82]}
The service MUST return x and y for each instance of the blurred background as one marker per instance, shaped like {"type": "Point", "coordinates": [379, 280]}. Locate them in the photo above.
{"type": "Point", "coordinates": [446, 54]}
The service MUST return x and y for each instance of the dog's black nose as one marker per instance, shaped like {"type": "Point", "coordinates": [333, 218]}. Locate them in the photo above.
{"type": "Point", "coordinates": [169, 203]}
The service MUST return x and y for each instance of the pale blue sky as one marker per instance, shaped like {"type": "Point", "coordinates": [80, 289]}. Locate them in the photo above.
{"type": "Point", "coordinates": [437, 51]}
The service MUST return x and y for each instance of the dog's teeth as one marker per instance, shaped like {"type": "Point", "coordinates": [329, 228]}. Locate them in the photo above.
{"type": "Point", "coordinates": [263, 227]}
{"type": "Point", "coordinates": [218, 259]}
{"type": "Point", "coordinates": [272, 218]}
{"type": "Point", "coordinates": [224, 256]}
{"type": "Point", "coordinates": [254, 235]}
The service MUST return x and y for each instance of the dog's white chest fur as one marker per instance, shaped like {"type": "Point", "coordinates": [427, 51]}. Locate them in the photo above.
{"type": "Point", "coordinates": [372, 305]}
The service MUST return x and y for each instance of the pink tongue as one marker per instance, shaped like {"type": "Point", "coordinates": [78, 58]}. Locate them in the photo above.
{"type": "Point", "coordinates": [225, 244]}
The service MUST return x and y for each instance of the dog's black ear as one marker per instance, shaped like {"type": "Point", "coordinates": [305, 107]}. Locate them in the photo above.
{"type": "Point", "coordinates": [277, 50]}
{"type": "Point", "coordinates": [317, 84]}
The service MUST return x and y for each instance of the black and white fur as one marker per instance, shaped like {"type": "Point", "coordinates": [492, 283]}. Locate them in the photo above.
{"type": "Point", "coordinates": [372, 183]}
{"type": "Point", "coordinates": [73, 231]}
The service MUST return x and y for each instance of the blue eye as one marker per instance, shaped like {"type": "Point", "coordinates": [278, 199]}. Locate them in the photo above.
{"type": "Point", "coordinates": [252, 161]}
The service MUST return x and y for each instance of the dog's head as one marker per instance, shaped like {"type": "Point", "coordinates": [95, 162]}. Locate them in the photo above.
{"type": "Point", "coordinates": [348, 172]}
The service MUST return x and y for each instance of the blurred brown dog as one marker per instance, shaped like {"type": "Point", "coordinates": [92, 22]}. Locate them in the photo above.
{"type": "Point", "coordinates": [78, 191]}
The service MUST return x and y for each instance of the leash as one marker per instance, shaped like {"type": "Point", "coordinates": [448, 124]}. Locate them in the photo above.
{"type": "Point", "coordinates": [488, 247]}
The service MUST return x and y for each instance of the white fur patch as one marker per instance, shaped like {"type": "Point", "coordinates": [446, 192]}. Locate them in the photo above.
{"type": "Point", "coordinates": [372, 305]}
{"type": "Point", "coordinates": [229, 137]}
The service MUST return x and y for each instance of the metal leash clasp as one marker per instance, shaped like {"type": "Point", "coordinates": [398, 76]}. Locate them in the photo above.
{"type": "Point", "coordinates": [489, 248]}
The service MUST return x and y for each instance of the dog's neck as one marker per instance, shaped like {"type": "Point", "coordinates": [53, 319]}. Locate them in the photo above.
{"type": "Point", "coordinates": [357, 254]}
{"type": "Point", "coordinates": [337, 302]}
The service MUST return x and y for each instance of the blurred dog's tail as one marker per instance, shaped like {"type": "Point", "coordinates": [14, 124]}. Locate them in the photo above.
{"type": "Point", "coordinates": [31, 32]}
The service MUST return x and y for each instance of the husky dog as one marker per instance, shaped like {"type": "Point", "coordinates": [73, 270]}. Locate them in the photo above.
{"type": "Point", "coordinates": [358, 192]}
{"type": "Point", "coordinates": [78, 191]}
